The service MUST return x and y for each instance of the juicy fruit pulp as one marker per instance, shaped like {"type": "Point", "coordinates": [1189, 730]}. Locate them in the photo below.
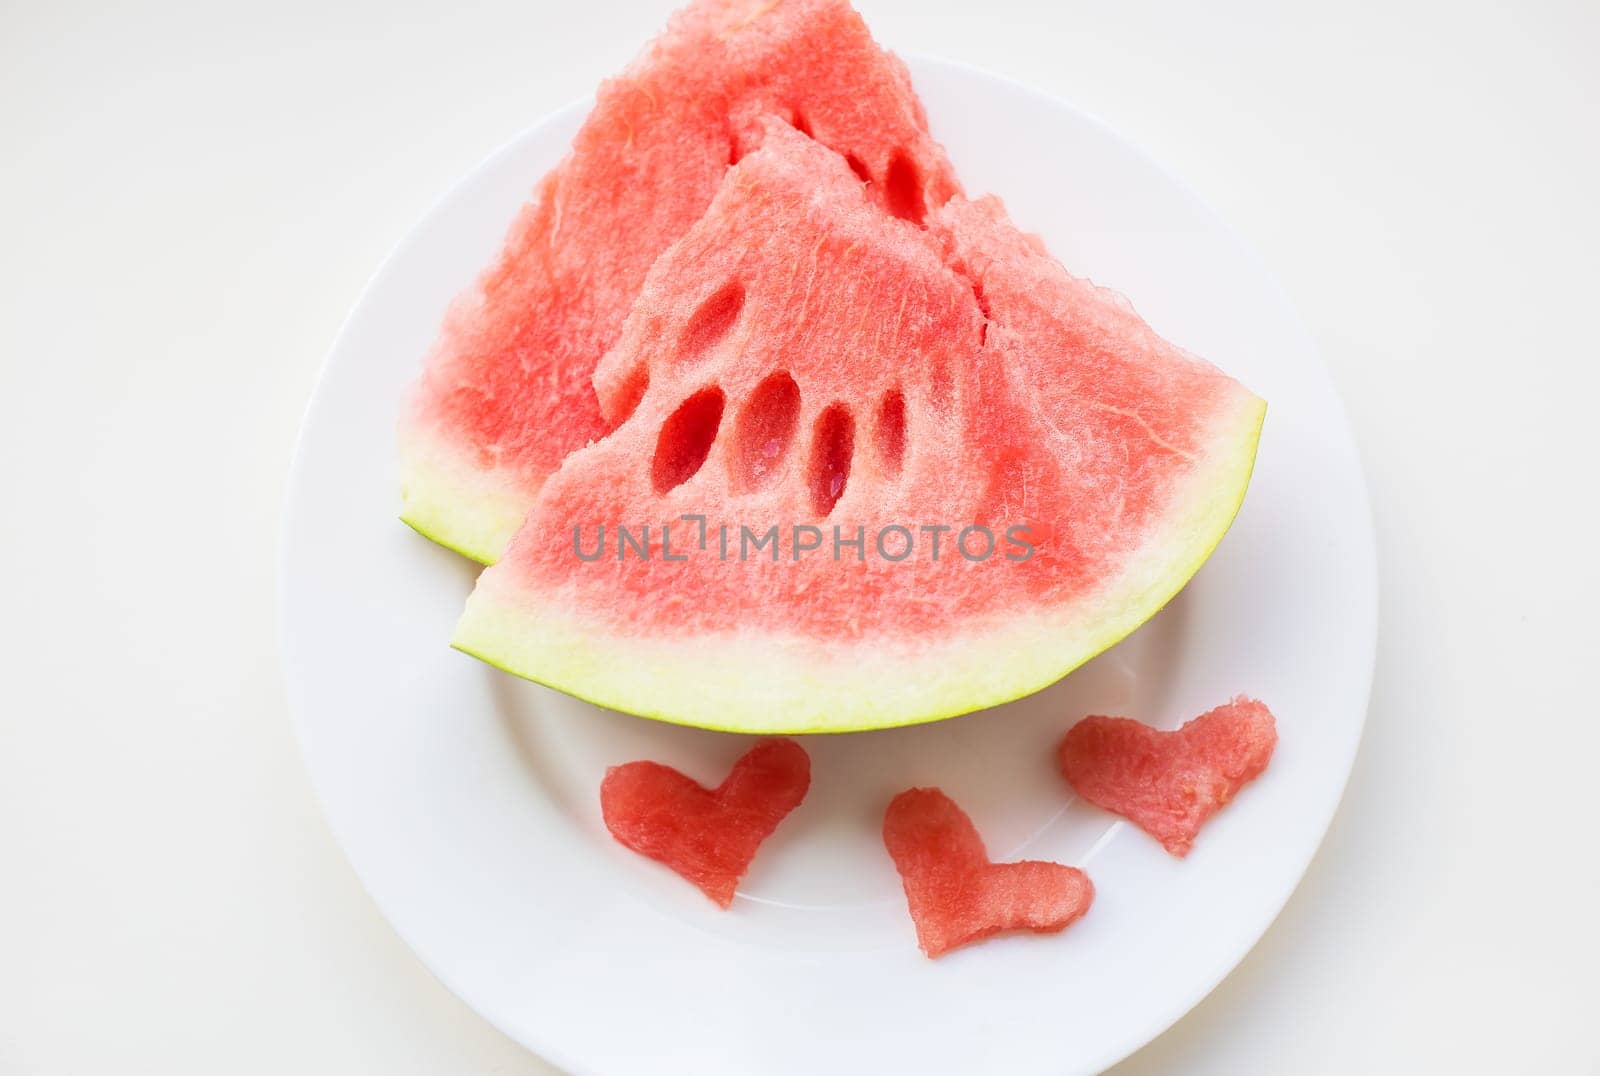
{"type": "Point", "coordinates": [955, 894]}
{"type": "Point", "coordinates": [506, 392]}
{"type": "Point", "coordinates": [1169, 783]}
{"type": "Point", "coordinates": [709, 836]}
{"type": "Point", "coordinates": [803, 359]}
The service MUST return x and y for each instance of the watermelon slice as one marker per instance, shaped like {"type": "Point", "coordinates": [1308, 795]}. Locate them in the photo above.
{"type": "Point", "coordinates": [824, 387]}
{"type": "Point", "coordinates": [955, 895]}
{"type": "Point", "coordinates": [506, 390]}
{"type": "Point", "coordinates": [1169, 783]}
{"type": "Point", "coordinates": [707, 835]}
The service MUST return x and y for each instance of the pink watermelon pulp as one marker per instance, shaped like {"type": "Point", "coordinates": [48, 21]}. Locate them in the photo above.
{"type": "Point", "coordinates": [506, 392]}
{"type": "Point", "coordinates": [1169, 783]}
{"type": "Point", "coordinates": [806, 366]}
{"type": "Point", "coordinates": [707, 835]}
{"type": "Point", "coordinates": [955, 895]}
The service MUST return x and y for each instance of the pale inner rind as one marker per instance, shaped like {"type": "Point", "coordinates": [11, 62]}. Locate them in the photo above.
{"type": "Point", "coordinates": [469, 509]}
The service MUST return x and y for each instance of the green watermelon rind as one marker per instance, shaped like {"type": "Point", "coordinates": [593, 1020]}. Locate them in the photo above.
{"type": "Point", "coordinates": [776, 686]}
{"type": "Point", "coordinates": [468, 509]}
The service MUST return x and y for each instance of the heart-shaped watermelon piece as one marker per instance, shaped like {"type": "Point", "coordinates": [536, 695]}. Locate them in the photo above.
{"type": "Point", "coordinates": [1169, 783]}
{"type": "Point", "coordinates": [955, 894]}
{"type": "Point", "coordinates": [708, 835]}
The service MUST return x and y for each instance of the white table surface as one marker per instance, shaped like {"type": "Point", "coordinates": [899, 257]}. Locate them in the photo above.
{"type": "Point", "coordinates": [191, 198]}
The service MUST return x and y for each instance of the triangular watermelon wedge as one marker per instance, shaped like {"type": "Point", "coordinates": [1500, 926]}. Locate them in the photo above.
{"type": "Point", "coordinates": [804, 361]}
{"type": "Point", "coordinates": [506, 391]}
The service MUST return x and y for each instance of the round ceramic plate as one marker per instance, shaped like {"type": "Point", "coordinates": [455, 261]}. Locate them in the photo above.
{"type": "Point", "coordinates": [468, 800]}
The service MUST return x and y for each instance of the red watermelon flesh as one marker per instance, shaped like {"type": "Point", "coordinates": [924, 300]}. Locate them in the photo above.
{"type": "Point", "coordinates": [1169, 783]}
{"type": "Point", "coordinates": [955, 895]}
{"type": "Point", "coordinates": [506, 392]}
{"type": "Point", "coordinates": [805, 359]}
{"type": "Point", "coordinates": [709, 836]}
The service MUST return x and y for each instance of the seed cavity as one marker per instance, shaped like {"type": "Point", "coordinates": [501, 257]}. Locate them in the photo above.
{"type": "Point", "coordinates": [712, 322]}
{"type": "Point", "coordinates": [736, 150]}
{"type": "Point", "coordinates": [832, 445]}
{"type": "Point", "coordinates": [685, 439]}
{"type": "Point", "coordinates": [798, 121]}
{"type": "Point", "coordinates": [902, 189]}
{"type": "Point", "coordinates": [763, 432]}
{"type": "Point", "coordinates": [889, 431]}
{"type": "Point", "coordinates": [983, 308]}
{"type": "Point", "coordinates": [859, 167]}
{"type": "Point", "coordinates": [630, 392]}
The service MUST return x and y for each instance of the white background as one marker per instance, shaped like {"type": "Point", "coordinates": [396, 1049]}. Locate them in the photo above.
{"type": "Point", "coordinates": [191, 197]}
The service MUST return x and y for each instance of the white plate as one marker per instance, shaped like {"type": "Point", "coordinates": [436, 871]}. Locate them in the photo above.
{"type": "Point", "coordinates": [467, 800]}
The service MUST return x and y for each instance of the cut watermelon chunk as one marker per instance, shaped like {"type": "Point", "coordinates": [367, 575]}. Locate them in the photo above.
{"type": "Point", "coordinates": [955, 895]}
{"type": "Point", "coordinates": [707, 835]}
{"type": "Point", "coordinates": [820, 373]}
{"type": "Point", "coordinates": [506, 392]}
{"type": "Point", "coordinates": [1169, 783]}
